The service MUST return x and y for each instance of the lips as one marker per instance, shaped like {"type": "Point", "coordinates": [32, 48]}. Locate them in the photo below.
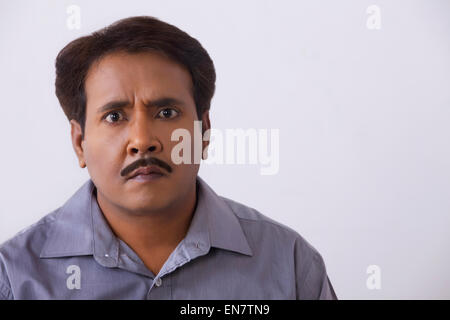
{"type": "Point", "coordinates": [146, 171]}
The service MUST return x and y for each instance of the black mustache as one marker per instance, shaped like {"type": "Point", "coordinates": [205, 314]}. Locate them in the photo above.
{"type": "Point", "coordinates": [144, 162]}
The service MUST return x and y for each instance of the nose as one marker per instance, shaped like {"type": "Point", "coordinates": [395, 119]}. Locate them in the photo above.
{"type": "Point", "coordinates": [141, 137]}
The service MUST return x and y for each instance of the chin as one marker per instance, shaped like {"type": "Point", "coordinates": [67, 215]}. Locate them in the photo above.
{"type": "Point", "coordinates": [146, 205]}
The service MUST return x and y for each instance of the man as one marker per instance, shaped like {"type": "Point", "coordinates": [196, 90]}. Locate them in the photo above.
{"type": "Point", "coordinates": [146, 226]}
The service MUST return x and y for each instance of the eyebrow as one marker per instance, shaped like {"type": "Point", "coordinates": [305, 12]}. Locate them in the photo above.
{"type": "Point", "coordinates": [161, 102]}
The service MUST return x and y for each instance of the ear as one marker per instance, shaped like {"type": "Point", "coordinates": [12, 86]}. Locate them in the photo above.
{"type": "Point", "coordinates": [206, 125]}
{"type": "Point", "coordinates": [75, 132]}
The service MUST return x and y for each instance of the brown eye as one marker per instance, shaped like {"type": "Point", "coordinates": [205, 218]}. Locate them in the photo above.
{"type": "Point", "coordinates": [113, 116]}
{"type": "Point", "coordinates": [168, 113]}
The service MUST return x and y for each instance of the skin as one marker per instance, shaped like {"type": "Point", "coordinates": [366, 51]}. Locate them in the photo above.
{"type": "Point", "coordinates": [151, 217]}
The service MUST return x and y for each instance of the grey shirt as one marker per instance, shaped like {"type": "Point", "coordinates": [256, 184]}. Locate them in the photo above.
{"type": "Point", "coordinates": [231, 251]}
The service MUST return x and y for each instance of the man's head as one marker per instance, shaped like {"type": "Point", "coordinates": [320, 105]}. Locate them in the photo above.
{"type": "Point", "coordinates": [125, 89]}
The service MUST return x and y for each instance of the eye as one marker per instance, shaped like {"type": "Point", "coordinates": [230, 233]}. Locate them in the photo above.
{"type": "Point", "coordinates": [168, 113]}
{"type": "Point", "coordinates": [114, 116]}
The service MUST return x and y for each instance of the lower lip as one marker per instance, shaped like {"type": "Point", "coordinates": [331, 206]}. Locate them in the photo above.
{"type": "Point", "coordinates": [147, 177]}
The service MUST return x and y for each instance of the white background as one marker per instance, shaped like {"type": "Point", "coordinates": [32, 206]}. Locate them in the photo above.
{"type": "Point", "coordinates": [363, 117]}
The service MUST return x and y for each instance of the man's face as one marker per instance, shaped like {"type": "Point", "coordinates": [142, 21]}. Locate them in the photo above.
{"type": "Point", "coordinates": [117, 138]}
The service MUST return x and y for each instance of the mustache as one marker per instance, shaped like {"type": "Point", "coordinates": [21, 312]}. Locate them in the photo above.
{"type": "Point", "coordinates": [144, 162]}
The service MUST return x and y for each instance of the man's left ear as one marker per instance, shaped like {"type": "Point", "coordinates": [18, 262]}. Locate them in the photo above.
{"type": "Point", "coordinates": [206, 125]}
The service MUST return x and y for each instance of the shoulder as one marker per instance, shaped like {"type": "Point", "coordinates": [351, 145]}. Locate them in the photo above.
{"type": "Point", "coordinates": [259, 227]}
{"type": "Point", "coordinates": [22, 250]}
{"type": "Point", "coordinates": [247, 214]}
{"type": "Point", "coordinates": [31, 238]}
{"type": "Point", "coordinates": [279, 243]}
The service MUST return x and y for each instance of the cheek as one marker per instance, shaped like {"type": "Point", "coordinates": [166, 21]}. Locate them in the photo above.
{"type": "Point", "coordinates": [102, 158]}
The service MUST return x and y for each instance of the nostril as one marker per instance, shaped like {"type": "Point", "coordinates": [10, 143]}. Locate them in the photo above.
{"type": "Point", "coordinates": [152, 148]}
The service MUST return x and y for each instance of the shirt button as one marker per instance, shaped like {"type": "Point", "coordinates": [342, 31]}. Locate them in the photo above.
{"type": "Point", "coordinates": [158, 282]}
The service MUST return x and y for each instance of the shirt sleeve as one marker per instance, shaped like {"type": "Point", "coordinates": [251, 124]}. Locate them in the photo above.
{"type": "Point", "coordinates": [5, 290]}
{"type": "Point", "coordinates": [311, 275]}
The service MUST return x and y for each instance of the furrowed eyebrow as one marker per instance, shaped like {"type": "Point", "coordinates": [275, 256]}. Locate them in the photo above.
{"type": "Point", "coordinates": [112, 106]}
{"type": "Point", "coordinates": [161, 102]}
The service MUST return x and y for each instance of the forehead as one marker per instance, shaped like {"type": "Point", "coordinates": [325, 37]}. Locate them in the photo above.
{"type": "Point", "coordinates": [144, 75]}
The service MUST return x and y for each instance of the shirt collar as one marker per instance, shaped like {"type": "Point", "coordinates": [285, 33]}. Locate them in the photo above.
{"type": "Point", "coordinates": [81, 229]}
